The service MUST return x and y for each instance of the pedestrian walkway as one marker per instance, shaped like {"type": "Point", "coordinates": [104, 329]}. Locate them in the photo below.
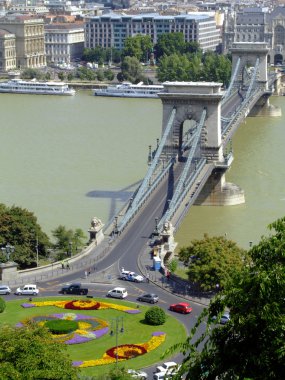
{"type": "Point", "coordinates": [173, 284]}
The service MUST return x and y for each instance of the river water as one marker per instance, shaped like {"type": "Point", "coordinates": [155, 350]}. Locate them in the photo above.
{"type": "Point", "coordinates": [68, 159]}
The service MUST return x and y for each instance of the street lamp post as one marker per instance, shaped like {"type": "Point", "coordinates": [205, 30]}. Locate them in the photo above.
{"type": "Point", "coordinates": [8, 250]}
{"type": "Point", "coordinates": [70, 248]}
{"type": "Point", "coordinates": [117, 326]}
{"type": "Point", "coordinates": [37, 250]}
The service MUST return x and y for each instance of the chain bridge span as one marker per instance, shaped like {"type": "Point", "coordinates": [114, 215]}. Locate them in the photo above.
{"type": "Point", "coordinates": [199, 120]}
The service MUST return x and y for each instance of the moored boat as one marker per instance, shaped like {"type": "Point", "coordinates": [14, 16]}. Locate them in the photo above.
{"type": "Point", "coordinates": [19, 86]}
{"type": "Point", "coordinates": [129, 90]}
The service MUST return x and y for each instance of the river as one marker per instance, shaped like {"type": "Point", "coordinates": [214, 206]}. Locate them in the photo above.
{"type": "Point", "coordinates": [68, 159]}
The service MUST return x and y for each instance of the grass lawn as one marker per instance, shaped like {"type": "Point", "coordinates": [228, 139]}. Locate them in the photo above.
{"type": "Point", "coordinates": [135, 331]}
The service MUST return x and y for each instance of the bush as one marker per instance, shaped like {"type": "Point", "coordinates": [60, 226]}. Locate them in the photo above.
{"type": "Point", "coordinates": [61, 326]}
{"type": "Point", "coordinates": [155, 316]}
{"type": "Point", "coordinates": [2, 305]}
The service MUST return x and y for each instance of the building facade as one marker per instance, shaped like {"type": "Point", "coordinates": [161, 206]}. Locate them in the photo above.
{"type": "Point", "coordinates": [64, 42]}
{"type": "Point", "coordinates": [30, 46]}
{"type": "Point", "coordinates": [7, 51]}
{"type": "Point", "coordinates": [111, 30]}
{"type": "Point", "coordinates": [257, 25]}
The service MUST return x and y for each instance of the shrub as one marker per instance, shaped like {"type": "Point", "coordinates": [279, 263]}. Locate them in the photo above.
{"type": "Point", "coordinates": [2, 305]}
{"type": "Point", "coordinates": [155, 316]}
{"type": "Point", "coordinates": [61, 326]}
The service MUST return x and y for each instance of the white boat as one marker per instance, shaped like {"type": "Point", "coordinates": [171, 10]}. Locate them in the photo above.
{"type": "Point", "coordinates": [129, 90]}
{"type": "Point", "coordinates": [19, 86]}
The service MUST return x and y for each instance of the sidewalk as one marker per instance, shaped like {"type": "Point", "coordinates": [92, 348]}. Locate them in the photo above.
{"type": "Point", "coordinates": [174, 284]}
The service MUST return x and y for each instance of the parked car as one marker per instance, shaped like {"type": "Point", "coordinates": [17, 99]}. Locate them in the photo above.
{"type": "Point", "coordinates": [137, 374]}
{"type": "Point", "coordinates": [131, 276]}
{"type": "Point", "coordinates": [4, 289]}
{"type": "Point", "coordinates": [168, 368]}
{"type": "Point", "coordinates": [74, 289]}
{"type": "Point", "coordinates": [225, 318]}
{"type": "Point", "coordinates": [117, 293]}
{"type": "Point", "coordinates": [30, 290]}
{"type": "Point", "coordinates": [181, 307]}
{"type": "Point", "coordinates": [149, 297]}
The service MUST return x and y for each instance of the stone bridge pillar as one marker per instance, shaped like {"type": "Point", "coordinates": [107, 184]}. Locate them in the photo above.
{"type": "Point", "coordinates": [190, 99]}
{"type": "Point", "coordinates": [248, 52]}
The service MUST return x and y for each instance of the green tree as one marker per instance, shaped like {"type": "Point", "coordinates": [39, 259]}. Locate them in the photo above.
{"type": "Point", "coordinates": [100, 75]}
{"type": "Point", "coordinates": [2, 305]}
{"type": "Point", "coordinates": [251, 345]}
{"type": "Point", "coordinates": [172, 265]}
{"type": "Point", "coordinates": [109, 75]}
{"type": "Point", "coordinates": [131, 70]}
{"type": "Point", "coordinates": [67, 241]}
{"type": "Point", "coordinates": [170, 43]}
{"type": "Point", "coordinates": [70, 77]}
{"type": "Point", "coordinates": [19, 227]}
{"type": "Point", "coordinates": [155, 316]}
{"type": "Point", "coordinates": [173, 67]}
{"type": "Point", "coordinates": [61, 75]}
{"type": "Point", "coordinates": [31, 353]}
{"type": "Point", "coordinates": [31, 73]}
{"type": "Point", "coordinates": [212, 261]}
{"type": "Point", "coordinates": [138, 46]}
{"type": "Point", "coordinates": [216, 68]}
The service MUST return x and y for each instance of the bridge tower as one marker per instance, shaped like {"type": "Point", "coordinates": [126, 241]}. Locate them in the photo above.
{"type": "Point", "coordinates": [245, 56]}
{"type": "Point", "coordinates": [190, 99]}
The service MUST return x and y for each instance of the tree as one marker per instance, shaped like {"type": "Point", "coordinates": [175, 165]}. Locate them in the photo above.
{"type": "Point", "coordinates": [67, 241]}
{"type": "Point", "coordinates": [155, 316]}
{"type": "Point", "coordinates": [216, 68]}
{"type": "Point", "coordinates": [212, 261]}
{"type": "Point", "coordinates": [138, 46]}
{"type": "Point", "coordinates": [131, 70]}
{"type": "Point", "coordinates": [31, 353]}
{"type": "Point", "coordinates": [109, 75]}
{"type": "Point", "coordinates": [170, 43]}
{"type": "Point", "coordinates": [61, 75]}
{"type": "Point", "coordinates": [251, 345]}
{"type": "Point", "coordinates": [31, 73]}
{"type": "Point", "coordinates": [173, 67]}
{"type": "Point", "coordinates": [19, 227]}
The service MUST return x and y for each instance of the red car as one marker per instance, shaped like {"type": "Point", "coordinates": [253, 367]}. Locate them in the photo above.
{"type": "Point", "coordinates": [181, 307]}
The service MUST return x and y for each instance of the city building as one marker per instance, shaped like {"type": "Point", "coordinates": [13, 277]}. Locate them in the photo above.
{"type": "Point", "coordinates": [7, 50]}
{"type": "Point", "coordinates": [64, 42]}
{"type": "Point", "coordinates": [111, 30]}
{"type": "Point", "coordinates": [257, 24]}
{"type": "Point", "coordinates": [29, 37]}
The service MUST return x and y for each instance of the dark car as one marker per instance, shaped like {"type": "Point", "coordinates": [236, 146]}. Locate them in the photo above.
{"type": "Point", "coordinates": [74, 289]}
{"type": "Point", "coordinates": [182, 307]}
{"type": "Point", "coordinates": [149, 297]}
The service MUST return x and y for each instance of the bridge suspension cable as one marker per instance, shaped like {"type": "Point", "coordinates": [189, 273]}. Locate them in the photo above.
{"type": "Point", "coordinates": [252, 79]}
{"type": "Point", "coordinates": [182, 180]}
{"type": "Point", "coordinates": [227, 93]}
{"type": "Point", "coordinates": [146, 181]}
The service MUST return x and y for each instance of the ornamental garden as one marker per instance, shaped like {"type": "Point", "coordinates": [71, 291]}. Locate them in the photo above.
{"type": "Point", "coordinates": [99, 333]}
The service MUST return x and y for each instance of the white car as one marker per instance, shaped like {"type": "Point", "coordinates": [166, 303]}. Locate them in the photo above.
{"type": "Point", "coordinates": [117, 293]}
{"type": "Point", "coordinates": [30, 290]}
{"type": "Point", "coordinates": [168, 367]}
{"type": "Point", "coordinates": [131, 276]}
{"type": "Point", "coordinates": [137, 374]}
{"type": "Point", "coordinates": [4, 289]}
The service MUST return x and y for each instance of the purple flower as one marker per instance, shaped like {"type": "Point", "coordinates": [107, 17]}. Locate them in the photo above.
{"type": "Point", "coordinates": [28, 305]}
{"type": "Point", "coordinates": [99, 333]}
{"type": "Point", "coordinates": [77, 363]}
{"type": "Point", "coordinates": [158, 333]}
{"type": "Point", "coordinates": [19, 324]}
{"type": "Point", "coordinates": [76, 339]}
{"type": "Point", "coordinates": [133, 311]}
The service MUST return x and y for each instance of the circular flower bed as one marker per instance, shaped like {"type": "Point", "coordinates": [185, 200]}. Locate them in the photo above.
{"type": "Point", "coordinates": [88, 328]}
{"type": "Point", "coordinates": [125, 351]}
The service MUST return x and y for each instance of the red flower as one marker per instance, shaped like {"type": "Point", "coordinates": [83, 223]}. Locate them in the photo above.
{"type": "Point", "coordinates": [126, 351]}
{"type": "Point", "coordinates": [86, 305]}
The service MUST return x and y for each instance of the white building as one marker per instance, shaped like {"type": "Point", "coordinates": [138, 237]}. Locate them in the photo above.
{"type": "Point", "coordinates": [111, 30]}
{"type": "Point", "coordinates": [64, 42]}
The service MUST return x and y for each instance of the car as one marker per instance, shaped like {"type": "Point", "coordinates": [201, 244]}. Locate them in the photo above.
{"type": "Point", "coordinates": [149, 297]}
{"type": "Point", "coordinates": [137, 374]}
{"type": "Point", "coordinates": [29, 289]}
{"type": "Point", "coordinates": [4, 289]}
{"type": "Point", "coordinates": [182, 307]}
{"type": "Point", "coordinates": [168, 368]}
{"type": "Point", "coordinates": [74, 288]}
{"type": "Point", "coordinates": [117, 293]}
{"type": "Point", "coordinates": [131, 276]}
{"type": "Point", "coordinates": [225, 318]}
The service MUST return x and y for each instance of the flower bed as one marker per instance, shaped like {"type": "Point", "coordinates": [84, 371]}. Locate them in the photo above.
{"type": "Point", "coordinates": [125, 351]}
{"type": "Point", "coordinates": [89, 328]}
{"type": "Point", "coordinates": [82, 305]}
